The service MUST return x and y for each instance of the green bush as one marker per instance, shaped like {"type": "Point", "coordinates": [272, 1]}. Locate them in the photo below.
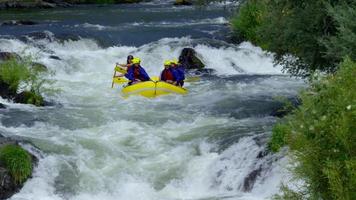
{"type": "Point", "coordinates": [321, 136]}
{"type": "Point", "coordinates": [26, 76]}
{"type": "Point", "coordinates": [317, 33]}
{"type": "Point", "coordinates": [13, 72]}
{"type": "Point", "coordinates": [278, 140]}
{"type": "Point", "coordinates": [248, 19]}
{"type": "Point", "coordinates": [17, 161]}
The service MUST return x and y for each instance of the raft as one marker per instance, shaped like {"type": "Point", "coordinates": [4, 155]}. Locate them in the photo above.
{"type": "Point", "coordinates": [151, 89]}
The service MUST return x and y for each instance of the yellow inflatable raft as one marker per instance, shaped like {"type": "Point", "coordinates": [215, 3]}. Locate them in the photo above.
{"type": "Point", "coordinates": [150, 89]}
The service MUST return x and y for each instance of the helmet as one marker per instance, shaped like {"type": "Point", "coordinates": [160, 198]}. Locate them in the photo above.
{"type": "Point", "coordinates": [175, 61]}
{"type": "Point", "coordinates": [136, 61]}
{"type": "Point", "coordinates": [167, 63]}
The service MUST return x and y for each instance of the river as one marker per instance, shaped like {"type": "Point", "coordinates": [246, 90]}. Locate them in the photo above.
{"type": "Point", "coordinates": [95, 144]}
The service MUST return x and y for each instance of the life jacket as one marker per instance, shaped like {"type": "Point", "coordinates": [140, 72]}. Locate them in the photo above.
{"type": "Point", "coordinates": [167, 75]}
{"type": "Point", "coordinates": [137, 74]}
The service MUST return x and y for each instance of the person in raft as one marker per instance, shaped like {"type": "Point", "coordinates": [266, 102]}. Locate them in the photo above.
{"type": "Point", "coordinates": [125, 66]}
{"type": "Point", "coordinates": [168, 74]}
{"type": "Point", "coordinates": [136, 73]}
{"type": "Point", "coordinates": [180, 72]}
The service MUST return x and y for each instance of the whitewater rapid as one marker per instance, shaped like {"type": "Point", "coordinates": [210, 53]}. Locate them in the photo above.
{"type": "Point", "coordinates": [94, 144]}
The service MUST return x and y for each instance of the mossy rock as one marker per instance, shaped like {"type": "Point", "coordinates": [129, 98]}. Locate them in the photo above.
{"type": "Point", "coordinates": [27, 97]}
{"type": "Point", "coordinates": [17, 161]}
{"type": "Point", "coordinates": [188, 58]}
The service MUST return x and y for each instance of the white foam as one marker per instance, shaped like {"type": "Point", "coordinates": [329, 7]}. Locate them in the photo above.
{"type": "Point", "coordinates": [115, 146]}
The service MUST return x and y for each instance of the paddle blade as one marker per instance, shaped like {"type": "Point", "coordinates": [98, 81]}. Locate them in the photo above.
{"type": "Point", "coordinates": [192, 79]}
{"type": "Point", "coordinates": [119, 80]}
{"type": "Point", "coordinates": [121, 70]}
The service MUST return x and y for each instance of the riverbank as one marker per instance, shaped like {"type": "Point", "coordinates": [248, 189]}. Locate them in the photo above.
{"type": "Point", "coordinates": [20, 4]}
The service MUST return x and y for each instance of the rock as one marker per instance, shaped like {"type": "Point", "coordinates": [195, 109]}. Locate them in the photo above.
{"type": "Point", "coordinates": [39, 36]}
{"type": "Point", "coordinates": [55, 57]}
{"type": "Point", "coordinates": [4, 56]}
{"type": "Point", "coordinates": [250, 179]}
{"type": "Point", "coordinates": [183, 3]}
{"type": "Point", "coordinates": [27, 97]}
{"type": "Point", "coordinates": [2, 106]}
{"type": "Point", "coordinates": [18, 23]}
{"type": "Point", "coordinates": [5, 90]}
{"type": "Point", "coordinates": [8, 186]}
{"type": "Point", "coordinates": [189, 59]}
{"type": "Point", "coordinates": [281, 111]}
{"type": "Point", "coordinates": [6, 4]}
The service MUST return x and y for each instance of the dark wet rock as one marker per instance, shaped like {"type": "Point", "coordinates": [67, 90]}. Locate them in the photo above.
{"type": "Point", "coordinates": [282, 110]}
{"type": "Point", "coordinates": [55, 57]}
{"type": "Point", "coordinates": [68, 36]}
{"type": "Point", "coordinates": [2, 106]}
{"type": "Point", "coordinates": [4, 56]}
{"type": "Point", "coordinates": [183, 3]}
{"type": "Point", "coordinates": [262, 154]}
{"type": "Point", "coordinates": [188, 58]}
{"type": "Point", "coordinates": [27, 97]}
{"type": "Point", "coordinates": [19, 23]}
{"type": "Point", "coordinates": [5, 90]}
{"type": "Point", "coordinates": [38, 36]}
{"type": "Point", "coordinates": [250, 179]}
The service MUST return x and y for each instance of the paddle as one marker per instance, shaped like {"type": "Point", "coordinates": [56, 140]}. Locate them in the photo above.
{"type": "Point", "coordinates": [120, 70]}
{"type": "Point", "coordinates": [192, 79]}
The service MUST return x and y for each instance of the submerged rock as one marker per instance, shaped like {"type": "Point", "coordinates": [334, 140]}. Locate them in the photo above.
{"type": "Point", "coordinates": [55, 57]}
{"type": "Point", "coordinates": [188, 58]}
{"type": "Point", "coordinates": [2, 106]}
{"type": "Point", "coordinates": [8, 186]}
{"type": "Point", "coordinates": [183, 3]}
{"type": "Point", "coordinates": [18, 23]}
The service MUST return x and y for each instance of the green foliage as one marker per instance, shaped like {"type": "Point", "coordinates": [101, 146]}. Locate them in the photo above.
{"type": "Point", "coordinates": [278, 140]}
{"type": "Point", "coordinates": [289, 194]}
{"type": "Point", "coordinates": [344, 42]}
{"type": "Point", "coordinates": [249, 18]}
{"type": "Point", "coordinates": [17, 161]}
{"type": "Point", "coordinates": [317, 33]}
{"type": "Point", "coordinates": [13, 72]}
{"type": "Point", "coordinates": [321, 135]}
{"type": "Point", "coordinates": [27, 76]}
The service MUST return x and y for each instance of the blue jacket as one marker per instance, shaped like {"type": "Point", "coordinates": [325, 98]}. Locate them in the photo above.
{"type": "Point", "coordinates": [143, 76]}
{"type": "Point", "coordinates": [181, 72]}
{"type": "Point", "coordinates": [173, 72]}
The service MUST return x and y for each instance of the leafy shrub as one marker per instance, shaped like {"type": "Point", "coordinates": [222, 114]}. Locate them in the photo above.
{"type": "Point", "coordinates": [317, 33]}
{"type": "Point", "coordinates": [13, 72]}
{"type": "Point", "coordinates": [249, 18]}
{"type": "Point", "coordinates": [17, 161]}
{"type": "Point", "coordinates": [26, 76]}
{"type": "Point", "coordinates": [321, 136]}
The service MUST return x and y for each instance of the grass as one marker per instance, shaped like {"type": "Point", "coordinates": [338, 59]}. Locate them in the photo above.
{"type": "Point", "coordinates": [321, 136]}
{"type": "Point", "coordinates": [17, 161]}
{"type": "Point", "coordinates": [23, 75]}
{"type": "Point", "coordinates": [13, 72]}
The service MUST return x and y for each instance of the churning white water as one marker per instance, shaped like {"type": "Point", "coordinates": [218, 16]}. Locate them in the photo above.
{"type": "Point", "coordinates": [94, 144]}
